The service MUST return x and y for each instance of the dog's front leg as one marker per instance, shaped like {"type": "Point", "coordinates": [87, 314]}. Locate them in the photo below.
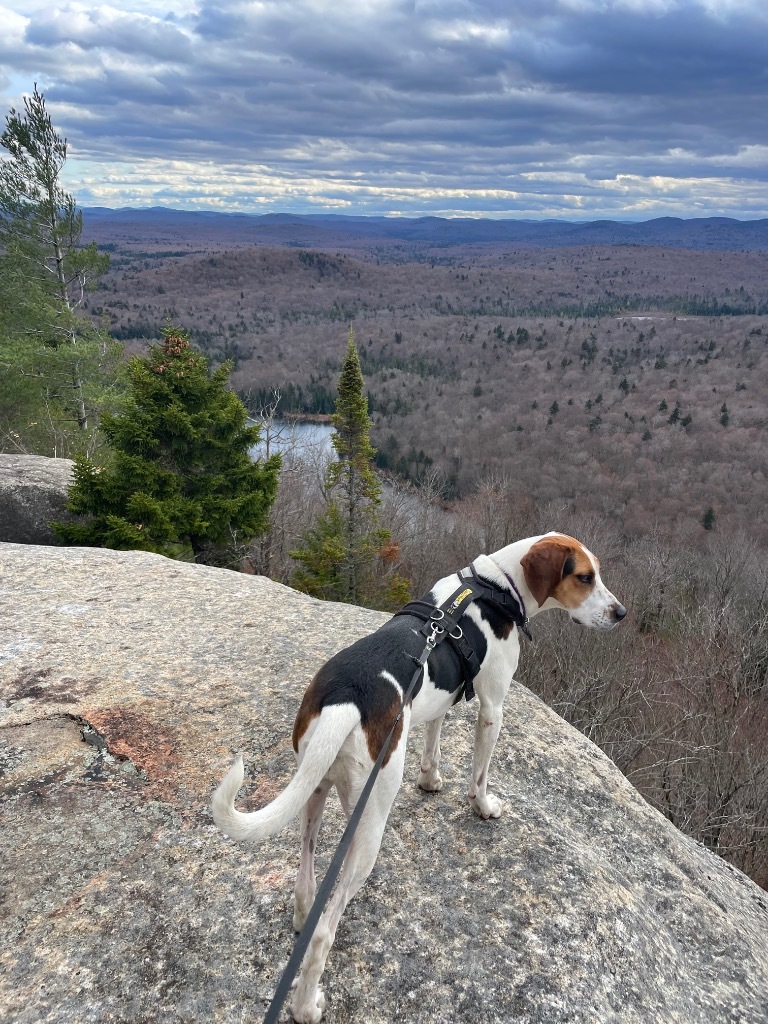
{"type": "Point", "coordinates": [486, 804]}
{"type": "Point", "coordinates": [430, 778]}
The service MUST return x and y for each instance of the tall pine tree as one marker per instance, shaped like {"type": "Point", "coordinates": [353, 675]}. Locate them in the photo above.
{"type": "Point", "coordinates": [56, 360]}
{"type": "Point", "coordinates": [181, 481]}
{"type": "Point", "coordinates": [347, 555]}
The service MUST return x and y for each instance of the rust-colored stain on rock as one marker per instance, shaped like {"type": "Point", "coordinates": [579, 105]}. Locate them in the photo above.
{"type": "Point", "coordinates": [133, 736]}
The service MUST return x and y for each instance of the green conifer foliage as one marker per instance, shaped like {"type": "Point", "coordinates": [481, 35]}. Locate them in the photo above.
{"type": "Point", "coordinates": [41, 223]}
{"type": "Point", "coordinates": [348, 555]}
{"type": "Point", "coordinates": [321, 560]}
{"type": "Point", "coordinates": [182, 481]}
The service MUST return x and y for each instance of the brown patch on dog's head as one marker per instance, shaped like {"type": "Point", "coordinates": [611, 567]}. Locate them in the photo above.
{"type": "Point", "coordinates": [558, 566]}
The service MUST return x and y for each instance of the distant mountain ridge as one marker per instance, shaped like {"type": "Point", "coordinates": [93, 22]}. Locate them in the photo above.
{"type": "Point", "coordinates": [716, 233]}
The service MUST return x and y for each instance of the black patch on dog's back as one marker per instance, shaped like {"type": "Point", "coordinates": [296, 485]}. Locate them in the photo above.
{"type": "Point", "coordinates": [353, 675]}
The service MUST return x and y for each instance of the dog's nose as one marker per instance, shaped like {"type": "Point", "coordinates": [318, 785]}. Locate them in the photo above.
{"type": "Point", "coordinates": [619, 612]}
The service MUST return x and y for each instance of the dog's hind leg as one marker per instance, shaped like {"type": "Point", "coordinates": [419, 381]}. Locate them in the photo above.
{"type": "Point", "coordinates": [430, 778]}
{"type": "Point", "coordinates": [306, 885]}
{"type": "Point", "coordinates": [308, 999]}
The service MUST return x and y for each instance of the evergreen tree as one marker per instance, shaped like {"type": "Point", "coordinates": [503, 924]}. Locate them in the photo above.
{"type": "Point", "coordinates": [181, 481]}
{"type": "Point", "coordinates": [708, 519]}
{"type": "Point", "coordinates": [56, 362]}
{"type": "Point", "coordinates": [347, 551]}
{"type": "Point", "coordinates": [321, 560]}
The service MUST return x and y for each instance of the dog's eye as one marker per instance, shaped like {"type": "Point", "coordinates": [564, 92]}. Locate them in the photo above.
{"type": "Point", "coordinates": [586, 577]}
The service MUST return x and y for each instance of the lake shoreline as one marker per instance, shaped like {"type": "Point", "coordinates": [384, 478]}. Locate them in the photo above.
{"type": "Point", "coordinates": [307, 417]}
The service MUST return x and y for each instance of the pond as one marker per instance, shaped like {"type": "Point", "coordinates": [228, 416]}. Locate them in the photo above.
{"type": "Point", "coordinates": [304, 439]}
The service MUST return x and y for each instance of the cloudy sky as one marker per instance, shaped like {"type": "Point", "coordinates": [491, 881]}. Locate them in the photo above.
{"type": "Point", "coordinates": [576, 109]}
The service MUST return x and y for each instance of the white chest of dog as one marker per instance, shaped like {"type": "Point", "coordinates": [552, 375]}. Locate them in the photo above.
{"type": "Point", "coordinates": [352, 703]}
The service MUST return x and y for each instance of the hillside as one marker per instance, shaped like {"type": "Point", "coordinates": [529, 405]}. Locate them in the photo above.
{"type": "Point", "coordinates": [418, 235]}
{"type": "Point", "coordinates": [627, 381]}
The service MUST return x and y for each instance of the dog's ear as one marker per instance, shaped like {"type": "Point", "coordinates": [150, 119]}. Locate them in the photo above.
{"type": "Point", "coordinates": [545, 565]}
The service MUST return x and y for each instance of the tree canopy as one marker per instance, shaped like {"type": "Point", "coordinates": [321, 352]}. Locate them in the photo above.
{"type": "Point", "coordinates": [59, 369]}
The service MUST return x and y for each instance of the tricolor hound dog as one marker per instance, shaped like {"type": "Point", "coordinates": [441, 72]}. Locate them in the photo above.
{"type": "Point", "coordinates": [353, 701]}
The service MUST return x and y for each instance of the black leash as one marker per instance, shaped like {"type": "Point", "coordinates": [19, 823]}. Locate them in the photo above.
{"type": "Point", "coordinates": [441, 623]}
{"type": "Point", "coordinates": [324, 892]}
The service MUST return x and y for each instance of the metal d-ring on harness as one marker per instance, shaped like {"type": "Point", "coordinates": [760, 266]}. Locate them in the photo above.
{"type": "Point", "coordinates": [441, 623]}
{"type": "Point", "coordinates": [451, 610]}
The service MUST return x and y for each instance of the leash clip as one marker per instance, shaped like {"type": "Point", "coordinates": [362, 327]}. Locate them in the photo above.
{"type": "Point", "coordinates": [432, 638]}
{"type": "Point", "coordinates": [434, 618]}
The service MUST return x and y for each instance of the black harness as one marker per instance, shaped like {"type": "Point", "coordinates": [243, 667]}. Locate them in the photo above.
{"type": "Point", "coordinates": [442, 622]}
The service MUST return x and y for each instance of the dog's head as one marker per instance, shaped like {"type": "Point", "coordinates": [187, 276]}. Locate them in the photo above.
{"type": "Point", "coordinates": [562, 573]}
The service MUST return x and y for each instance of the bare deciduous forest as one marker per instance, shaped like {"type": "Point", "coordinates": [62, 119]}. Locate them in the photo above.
{"type": "Point", "coordinates": [618, 393]}
{"type": "Point", "coordinates": [609, 379]}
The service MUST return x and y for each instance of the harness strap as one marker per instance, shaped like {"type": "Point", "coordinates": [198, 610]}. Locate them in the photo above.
{"type": "Point", "coordinates": [448, 614]}
{"type": "Point", "coordinates": [512, 601]}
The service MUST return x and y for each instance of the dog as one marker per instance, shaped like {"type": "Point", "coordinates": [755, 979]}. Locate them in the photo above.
{"type": "Point", "coordinates": [355, 699]}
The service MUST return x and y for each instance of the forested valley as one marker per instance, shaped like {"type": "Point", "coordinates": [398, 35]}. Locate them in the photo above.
{"type": "Point", "coordinates": [618, 393]}
{"type": "Point", "coordinates": [627, 382]}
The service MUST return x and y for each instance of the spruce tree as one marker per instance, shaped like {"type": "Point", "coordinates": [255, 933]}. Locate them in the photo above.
{"type": "Point", "coordinates": [348, 555]}
{"type": "Point", "coordinates": [181, 481]}
{"type": "Point", "coordinates": [322, 559]}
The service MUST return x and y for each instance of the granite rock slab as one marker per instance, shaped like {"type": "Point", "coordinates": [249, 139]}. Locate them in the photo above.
{"type": "Point", "coordinates": [127, 683]}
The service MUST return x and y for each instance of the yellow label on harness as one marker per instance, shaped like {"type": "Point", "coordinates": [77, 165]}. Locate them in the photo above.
{"type": "Point", "coordinates": [459, 599]}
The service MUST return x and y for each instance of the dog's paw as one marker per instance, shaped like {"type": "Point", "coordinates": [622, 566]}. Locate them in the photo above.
{"type": "Point", "coordinates": [311, 1013]}
{"type": "Point", "coordinates": [302, 904]}
{"type": "Point", "coordinates": [486, 807]}
{"type": "Point", "coordinates": [431, 781]}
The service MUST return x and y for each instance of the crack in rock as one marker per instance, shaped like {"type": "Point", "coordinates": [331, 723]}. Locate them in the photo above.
{"type": "Point", "coordinates": [91, 735]}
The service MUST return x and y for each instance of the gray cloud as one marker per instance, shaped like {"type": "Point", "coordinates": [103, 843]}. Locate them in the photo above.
{"type": "Point", "coordinates": [581, 108]}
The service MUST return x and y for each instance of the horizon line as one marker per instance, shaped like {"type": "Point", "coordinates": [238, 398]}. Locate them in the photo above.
{"type": "Point", "coordinates": [419, 217]}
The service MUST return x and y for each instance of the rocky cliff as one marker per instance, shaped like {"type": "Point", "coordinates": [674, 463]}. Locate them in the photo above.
{"type": "Point", "coordinates": [127, 681]}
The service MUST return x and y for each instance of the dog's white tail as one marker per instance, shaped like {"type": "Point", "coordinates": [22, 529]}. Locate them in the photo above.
{"type": "Point", "coordinates": [338, 721]}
